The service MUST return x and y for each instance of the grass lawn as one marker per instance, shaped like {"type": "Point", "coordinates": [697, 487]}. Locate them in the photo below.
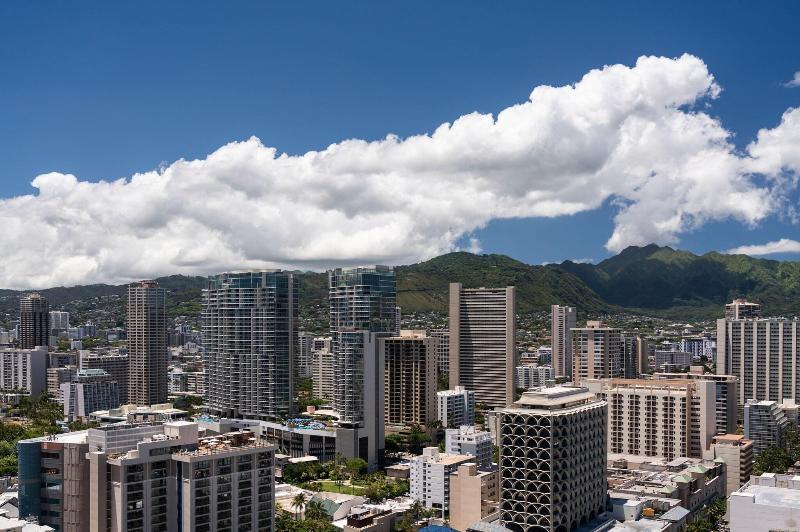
{"type": "Point", "coordinates": [329, 485]}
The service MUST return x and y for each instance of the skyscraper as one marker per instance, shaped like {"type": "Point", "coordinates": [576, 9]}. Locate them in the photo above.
{"type": "Point", "coordinates": [34, 321]}
{"type": "Point", "coordinates": [483, 351]}
{"type": "Point", "coordinates": [362, 309]}
{"type": "Point", "coordinates": [552, 460]}
{"type": "Point", "coordinates": [596, 352]}
{"type": "Point", "coordinates": [147, 343]}
{"type": "Point", "coordinates": [249, 339]}
{"type": "Point", "coordinates": [562, 320]}
{"type": "Point", "coordinates": [410, 378]}
{"type": "Point", "coordinates": [635, 356]}
{"type": "Point", "coordinates": [442, 350]}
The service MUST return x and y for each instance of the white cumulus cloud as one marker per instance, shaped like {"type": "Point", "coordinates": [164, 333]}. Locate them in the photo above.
{"type": "Point", "coordinates": [784, 245]}
{"type": "Point", "coordinates": [794, 82]}
{"type": "Point", "coordinates": [636, 135]}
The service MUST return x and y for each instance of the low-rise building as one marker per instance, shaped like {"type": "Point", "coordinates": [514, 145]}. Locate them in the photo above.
{"type": "Point", "coordinates": [474, 494]}
{"type": "Point", "coordinates": [430, 477]}
{"type": "Point", "coordinates": [767, 503]}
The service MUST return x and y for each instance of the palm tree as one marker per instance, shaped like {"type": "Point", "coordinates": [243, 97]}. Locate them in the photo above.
{"type": "Point", "coordinates": [298, 502]}
{"type": "Point", "coordinates": [315, 512]}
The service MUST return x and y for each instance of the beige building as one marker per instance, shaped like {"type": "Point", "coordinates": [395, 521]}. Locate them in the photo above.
{"type": "Point", "coordinates": [737, 453]}
{"type": "Point", "coordinates": [483, 351]}
{"type": "Point", "coordinates": [741, 309]}
{"type": "Point", "coordinates": [658, 419]}
{"type": "Point", "coordinates": [322, 371]}
{"type": "Point", "coordinates": [552, 459]}
{"type": "Point", "coordinates": [147, 343]}
{"type": "Point", "coordinates": [597, 352]}
{"type": "Point", "coordinates": [725, 395]}
{"type": "Point", "coordinates": [562, 321]}
{"type": "Point", "coordinates": [474, 494]}
{"type": "Point", "coordinates": [409, 378]}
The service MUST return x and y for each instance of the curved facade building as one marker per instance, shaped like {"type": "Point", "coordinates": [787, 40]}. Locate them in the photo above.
{"type": "Point", "coordinates": [552, 460]}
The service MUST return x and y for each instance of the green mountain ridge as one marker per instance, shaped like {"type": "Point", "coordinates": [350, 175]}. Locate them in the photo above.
{"type": "Point", "coordinates": [652, 280]}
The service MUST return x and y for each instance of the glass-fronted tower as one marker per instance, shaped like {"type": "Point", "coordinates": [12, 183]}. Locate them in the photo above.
{"type": "Point", "coordinates": [250, 342]}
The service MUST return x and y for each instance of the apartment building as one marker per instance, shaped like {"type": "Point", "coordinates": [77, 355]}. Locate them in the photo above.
{"type": "Point", "coordinates": [429, 477]}
{"type": "Point", "coordinates": [470, 441]}
{"type": "Point", "coordinates": [474, 494]}
{"type": "Point", "coordinates": [737, 453]}
{"type": "Point", "coordinates": [529, 376]}
{"type": "Point", "coordinates": [323, 374]}
{"type": "Point", "coordinates": [596, 352]}
{"type": "Point", "coordinates": [725, 393]}
{"type": "Point", "coordinates": [147, 343]}
{"type": "Point", "coordinates": [58, 376]}
{"type": "Point", "coordinates": [763, 354]}
{"type": "Point", "coordinates": [635, 356]}
{"type": "Point", "coordinates": [34, 321]}
{"type": "Point", "coordinates": [562, 321]}
{"type": "Point", "coordinates": [658, 418]}
{"type": "Point", "coordinates": [765, 424]}
{"type": "Point", "coordinates": [483, 351]}
{"type": "Point", "coordinates": [741, 309]}
{"type": "Point", "coordinates": [115, 364]}
{"type": "Point", "coordinates": [23, 370]}
{"type": "Point", "coordinates": [456, 407]}
{"type": "Point", "coordinates": [552, 459]}
{"type": "Point", "coordinates": [441, 350]}
{"type": "Point", "coordinates": [409, 378]}
{"type": "Point", "coordinates": [91, 390]}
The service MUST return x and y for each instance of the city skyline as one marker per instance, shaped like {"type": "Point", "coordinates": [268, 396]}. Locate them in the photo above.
{"type": "Point", "coordinates": [721, 126]}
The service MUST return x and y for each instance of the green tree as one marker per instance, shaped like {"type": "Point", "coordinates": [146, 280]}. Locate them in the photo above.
{"type": "Point", "coordinates": [298, 502]}
{"type": "Point", "coordinates": [771, 460]}
{"type": "Point", "coordinates": [354, 467]}
{"type": "Point", "coordinates": [416, 439]}
{"type": "Point", "coordinates": [315, 512]}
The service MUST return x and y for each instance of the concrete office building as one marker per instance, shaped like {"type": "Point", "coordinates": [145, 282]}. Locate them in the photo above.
{"type": "Point", "coordinates": [456, 407]}
{"type": "Point", "coordinates": [147, 343]}
{"type": "Point", "coordinates": [596, 352]}
{"type": "Point", "coordinates": [323, 374]}
{"type": "Point", "coordinates": [409, 378]}
{"type": "Point", "coordinates": [534, 376]}
{"type": "Point", "coordinates": [660, 419]}
{"type": "Point", "coordinates": [115, 364]}
{"type": "Point", "coordinates": [429, 477]}
{"type": "Point", "coordinates": [249, 337]}
{"type": "Point", "coordinates": [724, 391]}
{"type": "Point", "coordinates": [483, 351]}
{"type": "Point", "coordinates": [467, 440]}
{"type": "Point", "coordinates": [552, 460]}
{"type": "Point", "coordinates": [562, 321]}
{"type": "Point", "coordinates": [737, 453]}
{"type": "Point", "coordinates": [23, 370]}
{"type": "Point", "coordinates": [442, 349]}
{"type": "Point", "coordinates": [34, 321]}
{"type": "Point", "coordinates": [362, 310]}
{"type": "Point", "coordinates": [765, 424]}
{"type": "Point", "coordinates": [474, 494]}
{"type": "Point", "coordinates": [768, 503]}
{"type": "Point", "coordinates": [91, 390]}
{"type": "Point", "coordinates": [741, 309]}
{"type": "Point", "coordinates": [635, 358]}
{"type": "Point", "coordinates": [763, 354]}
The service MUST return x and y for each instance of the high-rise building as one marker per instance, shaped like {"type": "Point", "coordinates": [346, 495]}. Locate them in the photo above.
{"type": "Point", "coordinates": [113, 363]}
{"type": "Point", "coordinates": [442, 350]}
{"type": "Point", "coordinates": [305, 355]}
{"type": "Point", "coordinates": [323, 374]}
{"type": "Point", "coordinates": [59, 320]}
{"type": "Point", "coordinates": [741, 309]}
{"type": "Point", "coordinates": [410, 378]}
{"type": "Point", "coordinates": [455, 407]}
{"type": "Point", "coordinates": [34, 321]}
{"type": "Point", "coordinates": [483, 351]}
{"type": "Point", "coordinates": [562, 321]}
{"type": "Point", "coordinates": [534, 376]}
{"type": "Point", "coordinates": [552, 460]}
{"type": "Point", "coordinates": [467, 440]}
{"type": "Point", "coordinates": [737, 453]}
{"type": "Point", "coordinates": [249, 338]}
{"type": "Point", "coordinates": [91, 390]}
{"type": "Point", "coordinates": [23, 369]}
{"type": "Point", "coordinates": [56, 377]}
{"type": "Point", "coordinates": [659, 419]}
{"type": "Point", "coordinates": [765, 424]}
{"type": "Point", "coordinates": [362, 310]}
{"type": "Point", "coordinates": [147, 343]}
{"type": "Point", "coordinates": [724, 391]}
{"type": "Point", "coordinates": [635, 356]}
{"type": "Point", "coordinates": [763, 354]}
{"type": "Point", "coordinates": [429, 477]}
{"type": "Point", "coordinates": [596, 352]}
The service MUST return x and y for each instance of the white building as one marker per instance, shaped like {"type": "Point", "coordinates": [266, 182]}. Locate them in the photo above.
{"type": "Point", "coordinates": [534, 376]}
{"type": "Point", "coordinates": [676, 358]}
{"type": "Point", "coordinates": [92, 390]}
{"type": "Point", "coordinates": [323, 374]}
{"type": "Point", "coordinates": [23, 370]}
{"type": "Point", "coordinates": [455, 407]}
{"type": "Point", "coordinates": [765, 504]}
{"type": "Point", "coordinates": [765, 424]}
{"type": "Point", "coordinates": [430, 477]}
{"type": "Point", "coordinates": [467, 440]}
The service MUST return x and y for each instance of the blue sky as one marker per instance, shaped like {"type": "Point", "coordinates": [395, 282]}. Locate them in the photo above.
{"type": "Point", "coordinates": [104, 90]}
